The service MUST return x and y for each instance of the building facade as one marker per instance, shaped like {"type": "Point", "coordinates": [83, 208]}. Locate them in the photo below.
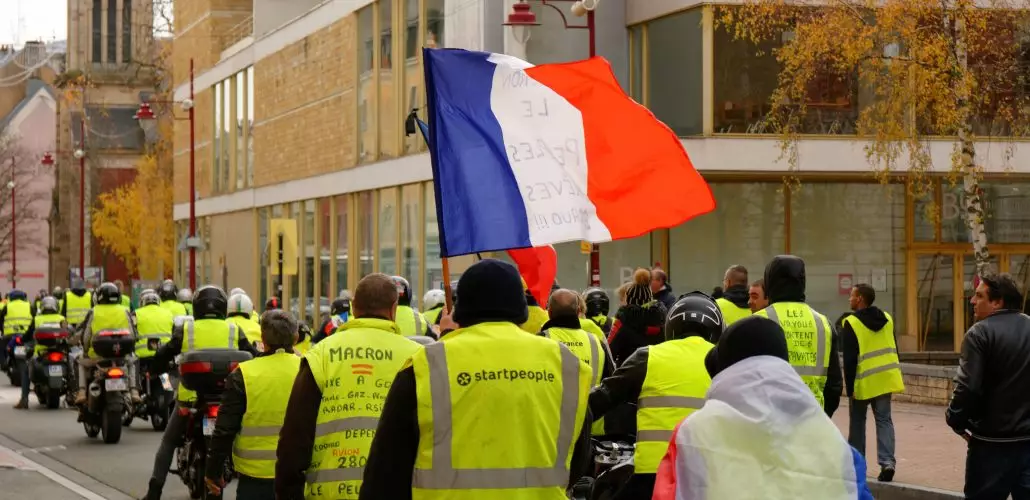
{"type": "Point", "coordinates": [305, 122]}
{"type": "Point", "coordinates": [110, 69]}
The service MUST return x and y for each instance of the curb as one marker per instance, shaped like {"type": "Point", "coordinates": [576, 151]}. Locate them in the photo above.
{"type": "Point", "coordinates": [901, 491]}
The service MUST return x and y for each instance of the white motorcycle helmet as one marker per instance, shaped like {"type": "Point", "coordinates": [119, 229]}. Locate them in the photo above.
{"type": "Point", "coordinates": [240, 304]}
{"type": "Point", "coordinates": [236, 291]}
{"type": "Point", "coordinates": [433, 298]}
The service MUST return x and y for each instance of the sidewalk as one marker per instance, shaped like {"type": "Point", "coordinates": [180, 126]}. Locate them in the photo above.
{"type": "Point", "coordinates": [21, 480]}
{"type": "Point", "coordinates": [928, 452]}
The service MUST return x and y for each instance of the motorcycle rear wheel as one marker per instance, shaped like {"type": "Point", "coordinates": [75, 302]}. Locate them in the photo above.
{"type": "Point", "coordinates": [160, 414]}
{"type": "Point", "coordinates": [111, 426]}
{"type": "Point", "coordinates": [53, 399]}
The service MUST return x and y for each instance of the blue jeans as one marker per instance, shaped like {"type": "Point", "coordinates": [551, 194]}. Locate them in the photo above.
{"type": "Point", "coordinates": [996, 470]}
{"type": "Point", "coordinates": [884, 428]}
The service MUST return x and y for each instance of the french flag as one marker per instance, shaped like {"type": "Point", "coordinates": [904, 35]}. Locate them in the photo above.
{"type": "Point", "coordinates": [526, 156]}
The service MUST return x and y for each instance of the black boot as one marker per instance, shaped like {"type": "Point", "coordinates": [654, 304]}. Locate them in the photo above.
{"type": "Point", "coordinates": [154, 490]}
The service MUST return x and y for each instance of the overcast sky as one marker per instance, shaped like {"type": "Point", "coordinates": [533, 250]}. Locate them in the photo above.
{"type": "Point", "coordinates": [40, 19]}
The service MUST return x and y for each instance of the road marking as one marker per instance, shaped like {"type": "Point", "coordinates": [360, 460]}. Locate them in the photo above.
{"type": "Point", "coordinates": [44, 449]}
{"type": "Point", "coordinates": [27, 464]}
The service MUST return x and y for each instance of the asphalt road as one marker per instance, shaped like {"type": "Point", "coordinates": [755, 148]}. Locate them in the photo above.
{"type": "Point", "coordinates": [46, 454]}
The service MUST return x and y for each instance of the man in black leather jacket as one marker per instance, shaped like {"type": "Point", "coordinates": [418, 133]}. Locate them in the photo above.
{"type": "Point", "coordinates": [991, 406]}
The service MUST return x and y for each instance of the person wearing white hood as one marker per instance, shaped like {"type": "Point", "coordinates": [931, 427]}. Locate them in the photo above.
{"type": "Point", "coordinates": [762, 423]}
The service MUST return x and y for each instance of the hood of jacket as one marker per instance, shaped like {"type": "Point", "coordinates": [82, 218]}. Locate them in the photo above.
{"type": "Point", "coordinates": [785, 279]}
{"type": "Point", "coordinates": [872, 317]}
{"type": "Point", "coordinates": [650, 314]}
{"type": "Point", "coordinates": [737, 295]}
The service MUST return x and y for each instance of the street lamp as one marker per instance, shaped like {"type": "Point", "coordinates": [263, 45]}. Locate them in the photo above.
{"type": "Point", "coordinates": [14, 229]}
{"type": "Point", "coordinates": [148, 122]}
{"type": "Point", "coordinates": [78, 154]}
{"type": "Point", "coordinates": [521, 19]}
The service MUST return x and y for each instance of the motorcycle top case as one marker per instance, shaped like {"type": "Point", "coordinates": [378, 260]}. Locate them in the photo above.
{"type": "Point", "coordinates": [114, 343]}
{"type": "Point", "coordinates": [51, 336]}
{"type": "Point", "coordinates": [204, 371]}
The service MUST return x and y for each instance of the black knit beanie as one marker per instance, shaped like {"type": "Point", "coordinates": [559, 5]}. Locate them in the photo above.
{"type": "Point", "coordinates": [639, 293]}
{"type": "Point", "coordinates": [490, 290]}
{"type": "Point", "coordinates": [749, 337]}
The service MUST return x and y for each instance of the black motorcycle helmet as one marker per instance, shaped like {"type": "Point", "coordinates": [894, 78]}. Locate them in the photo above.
{"type": "Point", "coordinates": [17, 294]}
{"type": "Point", "coordinates": [107, 293]}
{"type": "Point", "coordinates": [210, 302]}
{"type": "Point", "coordinates": [403, 290]}
{"type": "Point", "coordinates": [41, 293]}
{"type": "Point", "coordinates": [694, 314]}
{"type": "Point", "coordinates": [597, 302]}
{"type": "Point", "coordinates": [168, 290]}
{"type": "Point", "coordinates": [339, 306]}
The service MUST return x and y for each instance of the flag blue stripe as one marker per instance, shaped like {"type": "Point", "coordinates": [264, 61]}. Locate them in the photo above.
{"type": "Point", "coordinates": [478, 203]}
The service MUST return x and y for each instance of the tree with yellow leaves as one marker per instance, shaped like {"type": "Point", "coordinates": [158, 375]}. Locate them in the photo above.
{"type": "Point", "coordinates": [950, 68]}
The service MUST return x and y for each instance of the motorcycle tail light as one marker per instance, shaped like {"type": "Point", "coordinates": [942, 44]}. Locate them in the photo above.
{"type": "Point", "coordinates": [183, 411]}
{"type": "Point", "coordinates": [17, 340]}
{"type": "Point", "coordinates": [115, 373]}
{"type": "Point", "coordinates": [212, 411]}
{"type": "Point", "coordinates": [195, 367]}
{"type": "Point", "coordinates": [55, 357]}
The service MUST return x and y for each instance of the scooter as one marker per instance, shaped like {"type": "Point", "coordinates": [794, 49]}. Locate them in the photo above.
{"type": "Point", "coordinates": [51, 369]}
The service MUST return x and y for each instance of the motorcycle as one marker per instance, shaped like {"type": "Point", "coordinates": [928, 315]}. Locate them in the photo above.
{"type": "Point", "coordinates": [52, 368]}
{"type": "Point", "coordinates": [203, 372]}
{"type": "Point", "coordinates": [17, 353]}
{"type": "Point", "coordinates": [613, 468]}
{"type": "Point", "coordinates": [157, 393]}
{"type": "Point", "coordinates": [108, 389]}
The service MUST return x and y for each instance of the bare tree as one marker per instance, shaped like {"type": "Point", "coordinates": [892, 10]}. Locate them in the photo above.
{"type": "Point", "coordinates": [29, 177]}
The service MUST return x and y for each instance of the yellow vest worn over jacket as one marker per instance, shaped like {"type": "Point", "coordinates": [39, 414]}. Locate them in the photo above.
{"type": "Point", "coordinates": [152, 321]}
{"type": "Point", "coordinates": [354, 369]}
{"type": "Point", "coordinates": [537, 318]}
{"type": "Point", "coordinates": [188, 306]}
{"type": "Point", "coordinates": [77, 307]}
{"type": "Point", "coordinates": [411, 322]}
{"type": "Point", "coordinates": [674, 387]}
{"type": "Point", "coordinates": [268, 382]}
{"type": "Point", "coordinates": [731, 313]}
{"type": "Point", "coordinates": [107, 318]}
{"type": "Point", "coordinates": [201, 334]}
{"type": "Point", "coordinates": [47, 322]}
{"type": "Point", "coordinates": [126, 301]}
{"type": "Point", "coordinates": [18, 317]}
{"type": "Point", "coordinates": [433, 315]}
{"type": "Point", "coordinates": [587, 348]}
{"type": "Point", "coordinates": [879, 370]}
{"type": "Point", "coordinates": [808, 341]}
{"type": "Point", "coordinates": [250, 328]}
{"type": "Point", "coordinates": [175, 308]}
{"type": "Point", "coordinates": [475, 398]}
{"type": "Point", "coordinates": [590, 327]}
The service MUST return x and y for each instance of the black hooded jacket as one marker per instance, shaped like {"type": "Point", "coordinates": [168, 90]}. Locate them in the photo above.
{"type": "Point", "coordinates": [738, 295]}
{"type": "Point", "coordinates": [785, 282]}
{"type": "Point", "coordinates": [635, 327]}
{"type": "Point", "coordinates": [874, 319]}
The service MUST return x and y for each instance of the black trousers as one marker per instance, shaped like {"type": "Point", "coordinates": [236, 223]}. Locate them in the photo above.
{"type": "Point", "coordinates": [252, 488]}
{"type": "Point", "coordinates": [996, 470]}
{"type": "Point", "coordinates": [639, 487]}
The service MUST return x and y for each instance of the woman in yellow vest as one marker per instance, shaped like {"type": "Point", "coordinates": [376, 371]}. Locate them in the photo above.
{"type": "Point", "coordinates": [668, 382]}
{"type": "Point", "coordinates": [253, 410]}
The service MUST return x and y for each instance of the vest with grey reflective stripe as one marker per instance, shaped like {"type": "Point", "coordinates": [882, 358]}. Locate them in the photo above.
{"type": "Point", "coordinates": [584, 345]}
{"type": "Point", "coordinates": [496, 426]}
{"type": "Point", "coordinates": [205, 334]}
{"type": "Point", "coordinates": [410, 321]}
{"type": "Point", "coordinates": [879, 370]}
{"type": "Point", "coordinates": [674, 387]}
{"type": "Point", "coordinates": [808, 341]}
{"type": "Point", "coordinates": [17, 318]}
{"type": "Point", "coordinates": [78, 306]}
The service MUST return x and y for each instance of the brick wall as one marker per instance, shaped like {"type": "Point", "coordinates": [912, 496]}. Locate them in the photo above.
{"type": "Point", "coordinates": [927, 384]}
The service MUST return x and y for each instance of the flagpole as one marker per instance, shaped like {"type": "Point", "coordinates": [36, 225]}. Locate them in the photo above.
{"type": "Point", "coordinates": [447, 285]}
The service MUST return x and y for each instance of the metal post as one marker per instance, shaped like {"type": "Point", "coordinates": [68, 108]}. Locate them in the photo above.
{"type": "Point", "coordinates": [279, 263]}
{"type": "Point", "coordinates": [14, 230]}
{"type": "Point", "coordinates": [82, 200]}
{"type": "Point", "coordinates": [595, 249]}
{"type": "Point", "coordinates": [193, 191]}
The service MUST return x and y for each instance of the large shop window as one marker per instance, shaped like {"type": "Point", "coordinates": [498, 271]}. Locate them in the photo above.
{"type": "Point", "coordinates": [367, 126]}
{"type": "Point", "coordinates": [250, 126]}
{"type": "Point", "coordinates": [216, 170]}
{"type": "Point", "coordinates": [746, 228]}
{"type": "Point", "coordinates": [264, 258]}
{"type": "Point", "coordinates": [342, 236]}
{"type": "Point", "coordinates": [240, 124]}
{"type": "Point", "coordinates": [228, 141]}
{"type": "Point", "coordinates": [325, 254]}
{"type": "Point", "coordinates": [293, 281]}
{"type": "Point", "coordinates": [388, 91]}
{"type": "Point", "coordinates": [849, 234]}
{"type": "Point", "coordinates": [675, 71]}
{"type": "Point", "coordinates": [365, 228]}
{"type": "Point", "coordinates": [307, 259]}
{"type": "Point", "coordinates": [412, 94]}
{"type": "Point", "coordinates": [434, 265]}
{"type": "Point", "coordinates": [388, 231]}
{"type": "Point", "coordinates": [411, 222]}
{"type": "Point", "coordinates": [618, 261]}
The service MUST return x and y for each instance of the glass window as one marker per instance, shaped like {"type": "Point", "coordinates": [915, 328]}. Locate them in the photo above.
{"type": "Point", "coordinates": [307, 259]}
{"type": "Point", "coordinates": [112, 31]}
{"type": "Point", "coordinates": [746, 228]}
{"type": "Point", "coordinates": [412, 92]}
{"type": "Point", "coordinates": [435, 21]}
{"type": "Point", "coordinates": [342, 224]}
{"type": "Point", "coordinates": [250, 126]}
{"type": "Point", "coordinates": [867, 222]}
{"type": "Point", "coordinates": [365, 221]}
{"type": "Point", "coordinates": [618, 261]}
{"type": "Point", "coordinates": [367, 127]}
{"type": "Point", "coordinates": [263, 257]}
{"type": "Point", "coordinates": [227, 140]}
{"type": "Point", "coordinates": [636, 56]}
{"type": "Point", "coordinates": [389, 90]}
{"type": "Point", "coordinates": [241, 131]}
{"type": "Point", "coordinates": [926, 212]}
{"type": "Point", "coordinates": [388, 231]}
{"type": "Point", "coordinates": [411, 222]}
{"type": "Point", "coordinates": [675, 71]}
{"type": "Point", "coordinates": [936, 297]}
{"type": "Point", "coordinates": [434, 265]}
{"type": "Point", "coordinates": [127, 31]}
{"type": "Point", "coordinates": [1007, 205]}
{"type": "Point", "coordinates": [277, 287]}
{"type": "Point", "coordinates": [216, 171]}
{"type": "Point", "coordinates": [573, 265]}
{"type": "Point", "coordinates": [98, 26]}
{"type": "Point", "coordinates": [325, 243]}
{"type": "Point", "coordinates": [1019, 268]}
{"type": "Point", "coordinates": [293, 282]}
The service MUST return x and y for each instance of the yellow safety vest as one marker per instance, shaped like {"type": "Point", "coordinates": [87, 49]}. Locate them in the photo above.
{"type": "Point", "coordinates": [731, 313]}
{"type": "Point", "coordinates": [410, 321]}
{"type": "Point", "coordinates": [18, 317]}
{"type": "Point", "coordinates": [255, 316]}
{"type": "Point", "coordinates": [494, 426]}
{"type": "Point", "coordinates": [587, 348]}
{"type": "Point", "coordinates": [433, 315]}
{"type": "Point", "coordinates": [251, 329]}
{"type": "Point", "coordinates": [593, 329]}
{"type": "Point", "coordinates": [46, 321]}
{"type": "Point", "coordinates": [205, 334]}
{"type": "Point", "coordinates": [152, 321]}
{"type": "Point", "coordinates": [268, 381]}
{"type": "Point", "coordinates": [126, 301]}
{"type": "Point", "coordinates": [107, 318]}
{"type": "Point", "coordinates": [354, 371]}
{"type": "Point", "coordinates": [674, 387]}
{"type": "Point", "coordinates": [302, 347]}
{"type": "Point", "coordinates": [78, 307]}
{"type": "Point", "coordinates": [175, 308]}
{"type": "Point", "coordinates": [879, 370]}
{"type": "Point", "coordinates": [537, 318]}
{"type": "Point", "coordinates": [808, 341]}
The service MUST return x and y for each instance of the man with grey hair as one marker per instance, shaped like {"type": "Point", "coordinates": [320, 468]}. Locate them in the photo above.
{"type": "Point", "coordinates": [254, 401]}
